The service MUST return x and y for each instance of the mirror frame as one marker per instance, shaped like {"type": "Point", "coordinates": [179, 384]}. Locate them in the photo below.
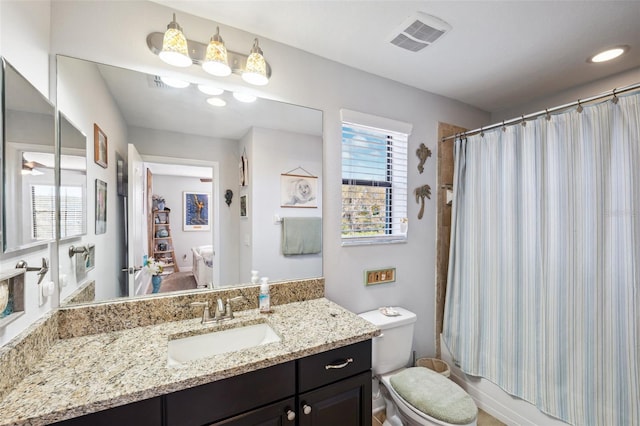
{"type": "Point", "coordinates": [3, 202]}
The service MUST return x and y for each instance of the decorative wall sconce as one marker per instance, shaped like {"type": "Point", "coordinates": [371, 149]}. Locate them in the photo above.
{"type": "Point", "coordinates": [228, 195]}
{"type": "Point", "coordinates": [175, 49]}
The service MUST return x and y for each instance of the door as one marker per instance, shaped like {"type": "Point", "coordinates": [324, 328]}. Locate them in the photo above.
{"type": "Point", "coordinates": [345, 403]}
{"type": "Point", "coordinates": [136, 220]}
{"type": "Point", "coordinates": [278, 414]}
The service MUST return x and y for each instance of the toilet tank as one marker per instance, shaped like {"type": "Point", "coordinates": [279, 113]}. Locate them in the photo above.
{"type": "Point", "coordinates": [392, 349]}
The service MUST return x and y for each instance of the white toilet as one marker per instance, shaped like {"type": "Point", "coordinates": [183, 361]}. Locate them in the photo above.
{"type": "Point", "coordinates": [414, 396]}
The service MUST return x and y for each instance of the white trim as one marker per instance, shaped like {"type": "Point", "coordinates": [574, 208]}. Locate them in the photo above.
{"type": "Point", "coordinates": [369, 120]}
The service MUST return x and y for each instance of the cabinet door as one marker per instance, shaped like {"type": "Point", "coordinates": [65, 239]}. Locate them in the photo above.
{"type": "Point", "coordinates": [344, 403]}
{"type": "Point", "coordinates": [281, 413]}
{"type": "Point", "coordinates": [222, 399]}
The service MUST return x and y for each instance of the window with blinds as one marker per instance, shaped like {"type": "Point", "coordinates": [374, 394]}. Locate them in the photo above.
{"type": "Point", "coordinates": [43, 211]}
{"type": "Point", "coordinates": [72, 211]}
{"type": "Point", "coordinates": [374, 184]}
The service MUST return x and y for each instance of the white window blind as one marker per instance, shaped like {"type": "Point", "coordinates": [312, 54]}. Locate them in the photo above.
{"type": "Point", "coordinates": [71, 211]}
{"type": "Point", "coordinates": [43, 212]}
{"type": "Point", "coordinates": [374, 183]}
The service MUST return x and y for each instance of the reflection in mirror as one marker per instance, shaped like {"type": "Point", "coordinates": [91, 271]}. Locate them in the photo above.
{"type": "Point", "coordinates": [176, 156]}
{"type": "Point", "coordinates": [73, 179]}
{"type": "Point", "coordinates": [28, 164]}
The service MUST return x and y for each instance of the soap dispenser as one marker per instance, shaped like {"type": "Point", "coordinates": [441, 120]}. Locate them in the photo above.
{"type": "Point", "coordinates": [264, 299]}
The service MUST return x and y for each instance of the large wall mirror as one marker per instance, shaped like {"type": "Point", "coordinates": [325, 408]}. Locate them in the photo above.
{"type": "Point", "coordinates": [172, 175]}
{"type": "Point", "coordinates": [28, 164]}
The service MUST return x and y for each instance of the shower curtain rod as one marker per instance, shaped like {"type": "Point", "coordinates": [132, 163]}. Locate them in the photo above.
{"type": "Point", "coordinates": [523, 118]}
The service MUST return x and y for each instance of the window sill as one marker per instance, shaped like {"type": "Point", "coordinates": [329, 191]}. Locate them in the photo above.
{"type": "Point", "coordinates": [397, 239]}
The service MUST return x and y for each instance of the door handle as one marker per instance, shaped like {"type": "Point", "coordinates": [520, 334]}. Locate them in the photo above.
{"type": "Point", "coordinates": [131, 270]}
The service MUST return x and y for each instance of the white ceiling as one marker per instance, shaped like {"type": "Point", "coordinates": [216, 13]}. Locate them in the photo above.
{"type": "Point", "coordinates": [499, 54]}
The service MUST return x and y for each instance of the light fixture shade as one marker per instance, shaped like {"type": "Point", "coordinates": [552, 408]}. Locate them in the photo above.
{"type": "Point", "coordinates": [174, 46]}
{"type": "Point", "coordinates": [216, 61]}
{"type": "Point", "coordinates": [255, 72]}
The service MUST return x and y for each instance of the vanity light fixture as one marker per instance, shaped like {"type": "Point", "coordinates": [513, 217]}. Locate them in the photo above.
{"type": "Point", "coordinates": [175, 82]}
{"type": "Point", "coordinates": [244, 97]}
{"type": "Point", "coordinates": [218, 102]}
{"type": "Point", "coordinates": [216, 61]}
{"type": "Point", "coordinates": [609, 54]}
{"type": "Point", "coordinates": [210, 90]}
{"type": "Point", "coordinates": [256, 70]}
{"type": "Point", "coordinates": [173, 48]}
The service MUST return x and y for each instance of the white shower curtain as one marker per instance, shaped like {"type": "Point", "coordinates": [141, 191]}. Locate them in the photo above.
{"type": "Point", "coordinates": [543, 294]}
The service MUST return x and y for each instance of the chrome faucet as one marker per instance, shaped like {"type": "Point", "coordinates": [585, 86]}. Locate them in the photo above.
{"type": "Point", "coordinates": [221, 312]}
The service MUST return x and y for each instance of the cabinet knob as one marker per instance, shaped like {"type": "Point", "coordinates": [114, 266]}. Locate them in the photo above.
{"type": "Point", "coordinates": [306, 409]}
{"type": "Point", "coordinates": [291, 415]}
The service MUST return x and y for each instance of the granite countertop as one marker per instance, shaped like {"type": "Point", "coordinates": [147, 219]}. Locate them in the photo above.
{"type": "Point", "coordinates": [86, 374]}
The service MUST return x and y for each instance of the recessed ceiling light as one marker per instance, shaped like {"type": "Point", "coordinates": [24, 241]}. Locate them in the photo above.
{"type": "Point", "coordinates": [210, 90]}
{"type": "Point", "coordinates": [244, 97]}
{"type": "Point", "coordinates": [609, 54]}
{"type": "Point", "coordinates": [216, 102]}
{"type": "Point", "coordinates": [174, 82]}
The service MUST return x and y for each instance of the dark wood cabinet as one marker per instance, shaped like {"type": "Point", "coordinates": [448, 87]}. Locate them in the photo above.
{"type": "Point", "coordinates": [347, 402]}
{"type": "Point", "coordinates": [226, 398]}
{"type": "Point", "coordinates": [281, 413]}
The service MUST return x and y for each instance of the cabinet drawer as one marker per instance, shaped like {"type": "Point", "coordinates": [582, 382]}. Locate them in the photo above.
{"type": "Point", "coordinates": [224, 398]}
{"type": "Point", "coordinates": [328, 367]}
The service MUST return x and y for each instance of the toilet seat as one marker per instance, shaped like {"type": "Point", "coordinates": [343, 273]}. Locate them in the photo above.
{"type": "Point", "coordinates": [423, 379]}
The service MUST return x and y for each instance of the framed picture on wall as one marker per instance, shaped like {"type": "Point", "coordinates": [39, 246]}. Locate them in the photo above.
{"type": "Point", "coordinates": [243, 206]}
{"type": "Point", "coordinates": [195, 211]}
{"type": "Point", "coordinates": [298, 191]}
{"type": "Point", "coordinates": [101, 207]}
{"type": "Point", "coordinates": [100, 147]}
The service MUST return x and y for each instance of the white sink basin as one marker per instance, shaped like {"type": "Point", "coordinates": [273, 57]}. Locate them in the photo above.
{"type": "Point", "coordinates": [219, 342]}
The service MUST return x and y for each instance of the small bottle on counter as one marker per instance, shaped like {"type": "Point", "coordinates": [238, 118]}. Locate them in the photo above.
{"type": "Point", "coordinates": [264, 300]}
{"type": "Point", "coordinates": [254, 277]}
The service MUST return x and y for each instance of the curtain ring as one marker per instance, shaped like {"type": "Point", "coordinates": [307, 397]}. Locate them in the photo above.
{"type": "Point", "coordinates": [615, 98]}
{"type": "Point", "coordinates": [547, 115]}
{"type": "Point", "coordinates": [579, 109]}
{"type": "Point", "coordinates": [524, 123]}
{"type": "Point", "coordinates": [481, 132]}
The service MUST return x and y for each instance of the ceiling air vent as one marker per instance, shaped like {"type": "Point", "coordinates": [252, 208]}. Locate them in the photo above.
{"type": "Point", "coordinates": [419, 31]}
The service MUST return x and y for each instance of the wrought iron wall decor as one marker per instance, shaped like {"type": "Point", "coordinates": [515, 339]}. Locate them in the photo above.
{"type": "Point", "coordinates": [421, 192]}
{"type": "Point", "coordinates": [423, 152]}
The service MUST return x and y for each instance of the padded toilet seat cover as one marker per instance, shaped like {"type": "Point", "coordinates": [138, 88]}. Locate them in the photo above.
{"type": "Point", "coordinates": [435, 395]}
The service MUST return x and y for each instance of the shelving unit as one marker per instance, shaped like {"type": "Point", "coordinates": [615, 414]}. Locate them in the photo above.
{"type": "Point", "coordinates": [162, 242]}
{"type": "Point", "coordinates": [14, 285]}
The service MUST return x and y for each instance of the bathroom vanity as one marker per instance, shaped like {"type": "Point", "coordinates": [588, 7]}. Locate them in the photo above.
{"type": "Point", "coordinates": [318, 373]}
{"type": "Point", "coordinates": [300, 392]}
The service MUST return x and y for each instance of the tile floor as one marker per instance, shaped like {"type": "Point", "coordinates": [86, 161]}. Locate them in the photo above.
{"type": "Point", "coordinates": [484, 419]}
